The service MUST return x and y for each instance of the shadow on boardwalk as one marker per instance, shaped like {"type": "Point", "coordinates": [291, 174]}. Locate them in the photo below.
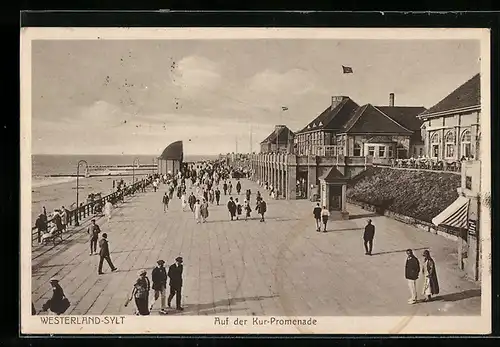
{"type": "Point", "coordinates": [399, 251]}
{"type": "Point", "coordinates": [366, 215]}
{"type": "Point", "coordinates": [467, 294]}
{"type": "Point", "coordinates": [227, 302]}
{"type": "Point", "coordinates": [278, 219]}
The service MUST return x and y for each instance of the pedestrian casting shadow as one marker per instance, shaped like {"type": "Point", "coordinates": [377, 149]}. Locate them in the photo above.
{"type": "Point", "coordinates": [347, 229]}
{"type": "Point", "coordinates": [133, 250]}
{"type": "Point", "coordinates": [366, 215]}
{"type": "Point", "coordinates": [400, 251]}
{"type": "Point", "coordinates": [251, 219]}
{"type": "Point", "coordinates": [226, 302]}
{"type": "Point", "coordinates": [279, 219]}
{"type": "Point", "coordinates": [467, 294]}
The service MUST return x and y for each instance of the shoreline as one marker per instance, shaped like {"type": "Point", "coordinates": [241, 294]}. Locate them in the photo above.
{"type": "Point", "coordinates": [62, 191]}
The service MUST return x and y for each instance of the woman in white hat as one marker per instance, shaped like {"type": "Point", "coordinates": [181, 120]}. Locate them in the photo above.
{"type": "Point", "coordinates": [140, 292]}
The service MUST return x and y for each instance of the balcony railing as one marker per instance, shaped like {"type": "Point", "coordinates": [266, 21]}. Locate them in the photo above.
{"type": "Point", "coordinates": [426, 164]}
{"type": "Point", "coordinates": [322, 150]}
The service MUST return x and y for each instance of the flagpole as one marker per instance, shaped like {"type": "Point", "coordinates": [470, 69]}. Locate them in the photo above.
{"type": "Point", "coordinates": [251, 138]}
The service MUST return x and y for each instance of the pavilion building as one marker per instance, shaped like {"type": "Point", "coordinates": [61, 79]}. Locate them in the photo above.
{"type": "Point", "coordinates": [171, 159]}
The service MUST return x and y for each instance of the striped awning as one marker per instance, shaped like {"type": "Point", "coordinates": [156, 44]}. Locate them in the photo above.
{"type": "Point", "coordinates": [454, 215]}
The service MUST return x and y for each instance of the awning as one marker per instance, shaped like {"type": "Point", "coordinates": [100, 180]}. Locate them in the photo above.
{"type": "Point", "coordinates": [454, 215]}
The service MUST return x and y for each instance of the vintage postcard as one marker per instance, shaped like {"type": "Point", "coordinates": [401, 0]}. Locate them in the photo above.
{"type": "Point", "coordinates": [270, 181]}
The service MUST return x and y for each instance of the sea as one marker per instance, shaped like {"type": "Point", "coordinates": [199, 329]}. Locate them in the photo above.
{"type": "Point", "coordinates": [55, 192]}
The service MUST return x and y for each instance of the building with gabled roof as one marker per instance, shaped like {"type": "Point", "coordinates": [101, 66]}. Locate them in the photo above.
{"type": "Point", "coordinates": [451, 128]}
{"type": "Point", "coordinates": [384, 132]}
{"type": "Point", "coordinates": [281, 140]}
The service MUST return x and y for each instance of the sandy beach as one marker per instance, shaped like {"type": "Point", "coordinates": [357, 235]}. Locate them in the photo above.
{"type": "Point", "coordinates": [62, 191]}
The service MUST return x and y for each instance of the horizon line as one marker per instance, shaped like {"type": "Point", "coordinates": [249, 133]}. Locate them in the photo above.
{"type": "Point", "coordinates": [142, 154]}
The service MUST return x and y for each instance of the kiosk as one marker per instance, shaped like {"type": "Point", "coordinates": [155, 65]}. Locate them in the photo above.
{"type": "Point", "coordinates": [333, 187]}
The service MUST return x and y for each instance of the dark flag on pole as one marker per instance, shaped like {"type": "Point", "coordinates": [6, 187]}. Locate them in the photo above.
{"type": "Point", "coordinates": [284, 108]}
{"type": "Point", "coordinates": [346, 69]}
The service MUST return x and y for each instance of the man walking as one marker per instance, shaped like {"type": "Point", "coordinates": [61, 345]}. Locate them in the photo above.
{"type": "Point", "coordinates": [104, 254]}
{"type": "Point", "coordinates": [165, 202]}
{"type": "Point", "coordinates": [217, 195]}
{"type": "Point", "coordinates": [238, 187]}
{"type": "Point", "coordinates": [231, 206]}
{"type": "Point", "coordinates": [262, 208]}
{"type": "Point", "coordinates": [191, 201]}
{"type": "Point", "coordinates": [93, 230]}
{"type": "Point", "coordinates": [159, 278]}
{"type": "Point", "coordinates": [368, 237]}
{"type": "Point", "coordinates": [317, 217]}
{"type": "Point", "coordinates": [175, 275]}
{"type": "Point", "coordinates": [224, 187]}
{"type": "Point", "coordinates": [412, 270]}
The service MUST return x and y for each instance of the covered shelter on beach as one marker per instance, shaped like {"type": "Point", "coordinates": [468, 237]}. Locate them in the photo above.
{"type": "Point", "coordinates": [170, 161]}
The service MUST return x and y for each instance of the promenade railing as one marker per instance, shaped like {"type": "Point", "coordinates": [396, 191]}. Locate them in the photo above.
{"type": "Point", "coordinates": [87, 210]}
{"type": "Point", "coordinates": [424, 164]}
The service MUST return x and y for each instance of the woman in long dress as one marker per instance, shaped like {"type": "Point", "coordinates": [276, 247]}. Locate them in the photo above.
{"type": "Point", "coordinates": [183, 202]}
{"type": "Point", "coordinates": [238, 209]}
{"type": "Point", "coordinates": [248, 209]}
{"type": "Point", "coordinates": [204, 210]}
{"type": "Point", "coordinates": [140, 293]}
{"type": "Point", "coordinates": [211, 196]}
{"type": "Point", "coordinates": [431, 284]}
{"type": "Point", "coordinates": [108, 209]}
{"type": "Point", "coordinates": [197, 211]}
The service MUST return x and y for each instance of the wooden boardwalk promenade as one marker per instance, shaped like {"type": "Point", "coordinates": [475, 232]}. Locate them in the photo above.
{"type": "Point", "coordinates": [280, 267]}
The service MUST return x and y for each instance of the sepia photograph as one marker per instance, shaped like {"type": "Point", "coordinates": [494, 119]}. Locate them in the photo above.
{"type": "Point", "coordinates": [255, 181]}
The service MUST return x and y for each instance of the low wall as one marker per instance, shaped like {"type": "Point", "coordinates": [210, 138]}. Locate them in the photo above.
{"type": "Point", "coordinates": [421, 225]}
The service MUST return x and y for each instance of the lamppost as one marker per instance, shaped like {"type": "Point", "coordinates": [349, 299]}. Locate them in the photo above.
{"type": "Point", "coordinates": [133, 170]}
{"type": "Point", "coordinates": [77, 223]}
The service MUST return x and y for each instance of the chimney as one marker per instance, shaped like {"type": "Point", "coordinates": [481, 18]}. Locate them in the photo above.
{"type": "Point", "coordinates": [335, 101]}
{"type": "Point", "coordinates": [391, 99]}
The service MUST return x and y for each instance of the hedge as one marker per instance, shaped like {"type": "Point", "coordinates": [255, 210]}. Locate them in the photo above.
{"type": "Point", "coordinates": [418, 194]}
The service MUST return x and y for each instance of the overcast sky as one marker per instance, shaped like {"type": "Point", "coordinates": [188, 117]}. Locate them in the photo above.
{"type": "Point", "coordinates": [136, 97]}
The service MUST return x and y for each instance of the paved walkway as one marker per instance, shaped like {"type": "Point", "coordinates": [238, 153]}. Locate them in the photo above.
{"type": "Point", "coordinates": [280, 267]}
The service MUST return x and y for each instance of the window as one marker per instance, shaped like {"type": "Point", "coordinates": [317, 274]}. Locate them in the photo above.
{"type": "Point", "coordinates": [421, 151]}
{"type": "Point", "coordinates": [357, 150]}
{"type": "Point", "coordinates": [450, 144]}
{"type": "Point", "coordinates": [430, 122]}
{"type": "Point", "coordinates": [371, 150]}
{"type": "Point", "coordinates": [414, 150]}
{"type": "Point", "coordinates": [435, 145]}
{"type": "Point", "coordinates": [381, 151]}
{"type": "Point", "coordinates": [468, 182]}
{"type": "Point", "coordinates": [391, 155]}
{"type": "Point", "coordinates": [466, 144]}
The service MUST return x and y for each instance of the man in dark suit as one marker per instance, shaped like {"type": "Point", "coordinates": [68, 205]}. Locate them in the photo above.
{"type": "Point", "coordinates": [104, 253]}
{"type": "Point", "coordinates": [262, 209]}
{"type": "Point", "coordinates": [317, 217]}
{"type": "Point", "coordinates": [175, 275]}
{"type": "Point", "coordinates": [412, 270]}
{"type": "Point", "coordinates": [368, 237]}
{"type": "Point", "coordinates": [159, 278]}
{"type": "Point", "coordinates": [93, 230]}
{"type": "Point", "coordinates": [231, 206]}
